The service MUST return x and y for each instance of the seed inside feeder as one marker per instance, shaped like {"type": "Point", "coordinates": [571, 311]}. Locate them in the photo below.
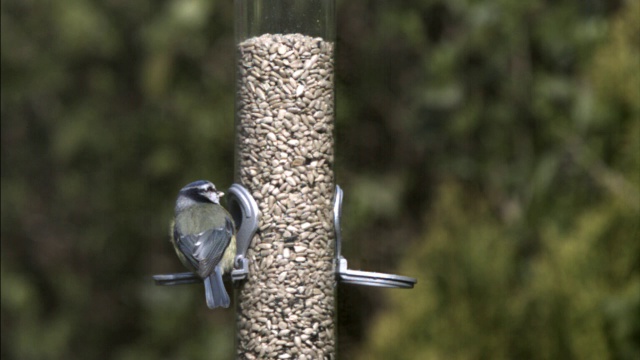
{"type": "Point", "coordinates": [285, 122]}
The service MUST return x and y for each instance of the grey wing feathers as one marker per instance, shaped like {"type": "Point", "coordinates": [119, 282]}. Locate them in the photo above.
{"type": "Point", "coordinates": [204, 250]}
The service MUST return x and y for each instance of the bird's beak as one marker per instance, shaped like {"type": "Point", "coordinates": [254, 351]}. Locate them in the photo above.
{"type": "Point", "coordinates": [220, 194]}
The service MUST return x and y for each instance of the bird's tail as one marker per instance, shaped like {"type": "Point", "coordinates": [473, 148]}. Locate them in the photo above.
{"type": "Point", "coordinates": [215, 291]}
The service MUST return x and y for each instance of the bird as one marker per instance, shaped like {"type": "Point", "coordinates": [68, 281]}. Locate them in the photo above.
{"type": "Point", "coordinates": [203, 236]}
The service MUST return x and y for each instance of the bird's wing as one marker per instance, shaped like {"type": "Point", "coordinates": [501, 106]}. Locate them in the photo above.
{"type": "Point", "coordinates": [204, 250]}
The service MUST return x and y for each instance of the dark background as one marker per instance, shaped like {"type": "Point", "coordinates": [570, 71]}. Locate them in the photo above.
{"type": "Point", "coordinates": [489, 148]}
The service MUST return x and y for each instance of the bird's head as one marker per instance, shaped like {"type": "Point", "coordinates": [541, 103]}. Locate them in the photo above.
{"type": "Point", "coordinates": [201, 191]}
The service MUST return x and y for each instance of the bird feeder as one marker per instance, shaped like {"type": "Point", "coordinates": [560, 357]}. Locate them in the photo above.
{"type": "Point", "coordinates": [285, 202]}
{"type": "Point", "coordinates": [284, 157]}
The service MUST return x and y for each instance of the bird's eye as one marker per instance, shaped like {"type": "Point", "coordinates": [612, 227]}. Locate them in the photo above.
{"type": "Point", "coordinates": [209, 189]}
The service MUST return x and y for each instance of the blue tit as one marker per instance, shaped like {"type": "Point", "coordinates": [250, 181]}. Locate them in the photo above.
{"type": "Point", "coordinates": [203, 235]}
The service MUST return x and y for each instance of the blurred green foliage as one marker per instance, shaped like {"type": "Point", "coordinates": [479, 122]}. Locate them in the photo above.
{"type": "Point", "coordinates": [489, 148]}
{"type": "Point", "coordinates": [536, 255]}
